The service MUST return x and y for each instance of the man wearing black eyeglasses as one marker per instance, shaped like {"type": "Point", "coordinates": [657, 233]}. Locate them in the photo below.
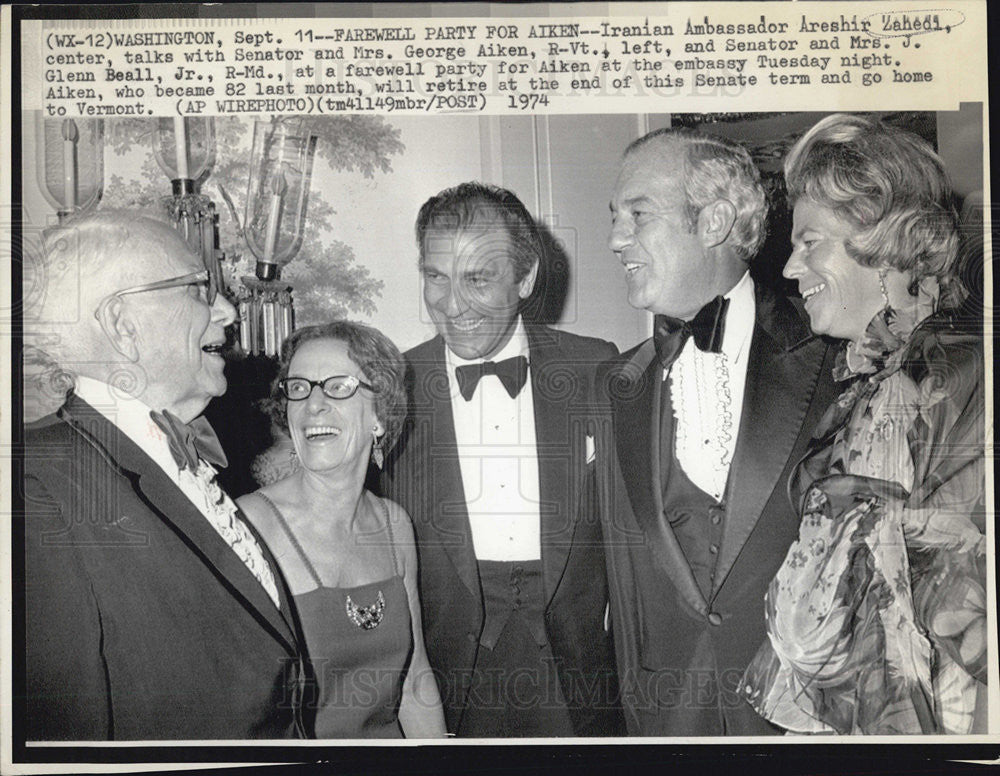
{"type": "Point", "coordinates": [152, 609]}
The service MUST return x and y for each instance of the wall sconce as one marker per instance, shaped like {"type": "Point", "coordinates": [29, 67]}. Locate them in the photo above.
{"type": "Point", "coordinates": [277, 193]}
{"type": "Point", "coordinates": [70, 163]}
{"type": "Point", "coordinates": [185, 150]}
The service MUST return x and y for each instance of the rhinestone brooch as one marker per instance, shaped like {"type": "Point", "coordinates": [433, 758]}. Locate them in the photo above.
{"type": "Point", "coordinates": [366, 617]}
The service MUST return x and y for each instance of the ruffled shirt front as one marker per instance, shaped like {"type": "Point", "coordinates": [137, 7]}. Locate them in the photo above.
{"type": "Point", "coordinates": [876, 620]}
{"type": "Point", "coordinates": [132, 417]}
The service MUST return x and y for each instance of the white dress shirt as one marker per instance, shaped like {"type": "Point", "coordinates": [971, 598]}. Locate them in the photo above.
{"type": "Point", "coordinates": [706, 391]}
{"type": "Point", "coordinates": [131, 416]}
{"type": "Point", "coordinates": [497, 455]}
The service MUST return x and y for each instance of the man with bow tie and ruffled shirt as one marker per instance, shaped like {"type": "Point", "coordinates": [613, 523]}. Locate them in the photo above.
{"type": "Point", "coordinates": [703, 424]}
{"type": "Point", "coordinates": [495, 467]}
{"type": "Point", "coordinates": [152, 609]}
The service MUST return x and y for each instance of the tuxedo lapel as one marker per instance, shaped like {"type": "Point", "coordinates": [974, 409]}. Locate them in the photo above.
{"type": "Point", "coordinates": [560, 445]}
{"type": "Point", "coordinates": [636, 399]}
{"type": "Point", "coordinates": [165, 500]}
{"type": "Point", "coordinates": [781, 378]}
{"type": "Point", "coordinates": [436, 447]}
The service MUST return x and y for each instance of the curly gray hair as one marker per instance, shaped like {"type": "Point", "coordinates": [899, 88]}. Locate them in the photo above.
{"type": "Point", "coordinates": [717, 168]}
{"type": "Point", "coordinates": [376, 355]}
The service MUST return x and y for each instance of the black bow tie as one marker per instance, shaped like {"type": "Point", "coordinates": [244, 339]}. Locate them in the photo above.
{"type": "Point", "coordinates": [670, 334]}
{"type": "Point", "coordinates": [513, 372]}
{"type": "Point", "coordinates": [190, 441]}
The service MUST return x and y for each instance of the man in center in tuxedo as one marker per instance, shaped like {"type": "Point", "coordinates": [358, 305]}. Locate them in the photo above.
{"type": "Point", "coordinates": [495, 468]}
{"type": "Point", "coordinates": [705, 421]}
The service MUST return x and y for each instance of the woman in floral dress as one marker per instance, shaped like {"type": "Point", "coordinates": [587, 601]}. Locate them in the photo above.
{"type": "Point", "coordinates": [876, 620]}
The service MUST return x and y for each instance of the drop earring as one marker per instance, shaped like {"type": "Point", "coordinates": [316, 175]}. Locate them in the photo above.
{"type": "Point", "coordinates": [377, 454]}
{"type": "Point", "coordinates": [881, 281]}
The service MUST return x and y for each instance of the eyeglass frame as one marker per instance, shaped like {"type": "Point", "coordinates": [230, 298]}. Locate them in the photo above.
{"type": "Point", "coordinates": [358, 383]}
{"type": "Point", "coordinates": [191, 279]}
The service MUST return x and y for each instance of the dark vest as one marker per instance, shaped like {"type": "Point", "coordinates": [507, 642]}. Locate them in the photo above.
{"type": "Point", "coordinates": [515, 689]}
{"type": "Point", "coordinates": [696, 518]}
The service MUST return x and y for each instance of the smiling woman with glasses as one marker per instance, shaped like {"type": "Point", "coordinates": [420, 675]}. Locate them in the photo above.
{"type": "Point", "coordinates": [336, 387]}
{"type": "Point", "coordinates": [348, 556]}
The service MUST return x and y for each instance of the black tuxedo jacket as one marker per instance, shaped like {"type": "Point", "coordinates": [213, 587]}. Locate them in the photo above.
{"type": "Point", "coordinates": [141, 622]}
{"type": "Point", "coordinates": [424, 476]}
{"type": "Point", "coordinates": [681, 654]}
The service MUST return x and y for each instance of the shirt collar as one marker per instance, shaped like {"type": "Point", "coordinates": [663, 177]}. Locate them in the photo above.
{"type": "Point", "coordinates": [517, 345]}
{"type": "Point", "coordinates": [739, 318]}
{"type": "Point", "coordinates": [130, 415]}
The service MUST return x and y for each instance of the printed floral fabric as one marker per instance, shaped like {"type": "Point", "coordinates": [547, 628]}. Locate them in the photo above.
{"type": "Point", "coordinates": [877, 618]}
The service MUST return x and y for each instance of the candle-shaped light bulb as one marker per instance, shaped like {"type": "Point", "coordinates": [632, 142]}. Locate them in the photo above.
{"type": "Point", "coordinates": [180, 146]}
{"type": "Point", "coordinates": [70, 135]}
{"type": "Point", "coordinates": [278, 188]}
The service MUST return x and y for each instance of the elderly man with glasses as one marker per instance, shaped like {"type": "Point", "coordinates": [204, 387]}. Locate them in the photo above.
{"type": "Point", "coordinates": [152, 609]}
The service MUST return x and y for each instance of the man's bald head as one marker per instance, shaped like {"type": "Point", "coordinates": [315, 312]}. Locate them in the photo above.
{"type": "Point", "coordinates": [158, 344]}
{"type": "Point", "coordinates": [80, 263]}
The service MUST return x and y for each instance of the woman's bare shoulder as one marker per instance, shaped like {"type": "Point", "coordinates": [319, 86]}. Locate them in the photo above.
{"type": "Point", "coordinates": [397, 515]}
{"type": "Point", "coordinates": [400, 527]}
{"type": "Point", "coordinates": [265, 508]}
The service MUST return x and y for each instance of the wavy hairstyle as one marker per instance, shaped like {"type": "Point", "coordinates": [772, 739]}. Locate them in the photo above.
{"type": "Point", "coordinates": [891, 186]}
{"type": "Point", "coordinates": [380, 362]}
{"type": "Point", "coordinates": [477, 204]}
{"type": "Point", "coordinates": [717, 168]}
